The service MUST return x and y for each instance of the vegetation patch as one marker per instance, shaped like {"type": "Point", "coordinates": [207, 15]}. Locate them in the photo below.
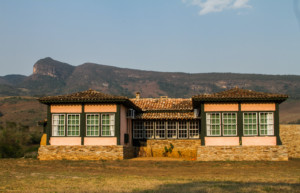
{"type": "Point", "coordinates": [31, 175]}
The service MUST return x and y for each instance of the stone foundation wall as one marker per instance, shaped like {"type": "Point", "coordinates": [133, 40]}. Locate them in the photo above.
{"type": "Point", "coordinates": [78, 152]}
{"type": "Point", "coordinates": [242, 153]}
{"type": "Point", "coordinates": [290, 137]}
{"type": "Point", "coordinates": [182, 148]}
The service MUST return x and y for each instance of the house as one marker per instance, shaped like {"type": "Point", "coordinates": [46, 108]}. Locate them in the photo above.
{"type": "Point", "coordinates": [93, 125]}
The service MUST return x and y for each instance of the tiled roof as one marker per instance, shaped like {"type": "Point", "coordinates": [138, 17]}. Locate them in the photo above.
{"type": "Point", "coordinates": [171, 104]}
{"type": "Point", "coordinates": [164, 108]}
{"type": "Point", "coordinates": [166, 115]}
{"type": "Point", "coordinates": [87, 96]}
{"type": "Point", "coordinates": [238, 94]}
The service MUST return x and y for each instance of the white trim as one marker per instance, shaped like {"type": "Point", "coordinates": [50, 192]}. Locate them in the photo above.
{"type": "Point", "coordinates": [149, 129]}
{"type": "Point", "coordinates": [194, 130]}
{"type": "Point", "coordinates": [267, 124]}
{"type": "Point", "coordinates": [185, 129]}
{"type": "Point", "coordinates": [173, 123]}
{"type": "Point", "coordinates": [64, 125]}
{"type": "Point", "coordinates": [111, 124]}
{"type": "Point", "coordinates": [159, 131]}
{"type": "Point", "coordinates": [208, 124]}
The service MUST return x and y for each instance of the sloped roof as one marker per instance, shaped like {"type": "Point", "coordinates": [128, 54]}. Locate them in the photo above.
{"type": "Point", "coordinates": [238, 94]}
{"type": "Point", "coordinates": [170, 104]}
{"type": "Point", "coordinates": [171, 115]}
{"type": "Point", "coordinates": [88, 96]}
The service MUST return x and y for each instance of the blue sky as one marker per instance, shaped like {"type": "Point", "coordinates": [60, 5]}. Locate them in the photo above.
{"type": "Point", "coordinates": [243, 36]}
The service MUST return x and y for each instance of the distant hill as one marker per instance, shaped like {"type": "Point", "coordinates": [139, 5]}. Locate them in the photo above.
{"type": "Point", "coordinates": [51, 77]}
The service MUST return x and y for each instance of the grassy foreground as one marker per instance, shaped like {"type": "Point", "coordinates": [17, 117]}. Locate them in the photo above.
{"type": "Point", "coordinates": [31, 175]}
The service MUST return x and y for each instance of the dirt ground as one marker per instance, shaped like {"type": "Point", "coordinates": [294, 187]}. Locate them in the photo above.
{"type": "Point", "coordinates": [148, 175]}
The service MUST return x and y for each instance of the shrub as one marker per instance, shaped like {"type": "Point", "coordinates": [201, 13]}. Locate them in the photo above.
{"type": "Point", "coordinates": [15, 139]}
{"type": "Point", "coordinates": [10, 144]}
{"type": "Point", "coordinates": [35, 138]}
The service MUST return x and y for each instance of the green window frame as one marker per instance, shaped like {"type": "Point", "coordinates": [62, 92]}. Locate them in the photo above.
{"type": "Point", "coordinates": [58, 125]}
{"type": "Point", "coordinates": [229, 124]}
{"type": "Point", "coordinates": [92, 125]}
{"type": "Point", "coordinates": [107, 124]}
{"type": "Point", "coordinates": [250, 126]}
{"type": "Point", "coordinates": [213, 124]}
{"type": "Point", "coordinates": [73, 124]}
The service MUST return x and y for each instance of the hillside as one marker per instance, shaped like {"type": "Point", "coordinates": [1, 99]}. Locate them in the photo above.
{"type": "Point", "coordinates": [51, 77]}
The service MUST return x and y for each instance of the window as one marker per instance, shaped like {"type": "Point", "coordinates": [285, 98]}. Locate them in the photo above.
{"type": "Point", "coordinates": [160, 130]}
{"type": "Point", "coordinates": [92, 125]}
{"type": "Point", "coordinates": [73, 125]}
{"type": "Point", "coordinates": [172, 130]}
{"type": "Point", "coordinates": [138, 130]}
{"type": "Point", "coordinates": [250, 123]}
{"type": "Point", "coordinates": [108, 125]}
{"type": "Point", "coordinates": [213, 124]}
{"type": "Point", "coordinates": [194, 129]}
{"type": "Point", "coordinates": [229, 124]}
{"type": "Point", "coordinates": [166, 129]}
{"type": "Point", "coordinates": [58, 125]}
{"type": "Point", "coordinates": [149, 133]}
{"type": "Point", "coordinates": [266, 123]}
{"type": "Point", "coordinates": [182, 130]}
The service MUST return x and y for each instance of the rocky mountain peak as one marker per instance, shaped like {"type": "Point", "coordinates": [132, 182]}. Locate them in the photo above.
{"type": "Point", "coordinates": [52, 68]}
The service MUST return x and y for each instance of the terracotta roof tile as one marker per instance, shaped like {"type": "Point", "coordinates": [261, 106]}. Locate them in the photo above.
{"type": "Point", "coordinates": [240, 94]}
{"type": "Point", "coordinates": [171, 104]}
{"type": "Point", "coordinates": [166, 115]}
{"type": "Point", "coordinates": [88, 96]}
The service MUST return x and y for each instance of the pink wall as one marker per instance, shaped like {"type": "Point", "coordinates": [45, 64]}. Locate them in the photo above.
{"type": "Point", "coordinates": [100, 141]}
{"type": "Point", "coordinates": [99, 108]}
{"type": "Point", "coordinates": [221, 141]}
{"type": "Point", "coordinates": [221, 107]}
{"type": "Point", "coordinates": [129, 126]}
{"type": "Point", "coordinates": [256, 141]}
{"type": "Point", "coordinates": [66, 108]}
{"type": "Point", "coordinates": [258, 106]}
{"type": "Point", "coordinates": [65, 140]}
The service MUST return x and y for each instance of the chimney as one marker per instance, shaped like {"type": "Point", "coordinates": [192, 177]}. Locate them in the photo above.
{"type": "Point", "coordinates": [137, 95]}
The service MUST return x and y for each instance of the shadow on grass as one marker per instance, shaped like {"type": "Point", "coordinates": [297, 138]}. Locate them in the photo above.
{"type": "Point", "coordinates": [223, 186]}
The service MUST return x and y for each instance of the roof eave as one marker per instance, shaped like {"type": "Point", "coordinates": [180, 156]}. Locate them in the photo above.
{"type": "Point", "coordinates": [275, 99]}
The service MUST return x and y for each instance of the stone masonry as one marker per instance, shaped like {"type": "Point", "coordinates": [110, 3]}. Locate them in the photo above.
{"type": "Point", "coordinates": [182, 148]}
{"type": "Point", "coordinates": [113, 152]}
{"type": "Point", "coordinates": [242, 153]}
{"type": "Point", "coordinates": [290, 137]}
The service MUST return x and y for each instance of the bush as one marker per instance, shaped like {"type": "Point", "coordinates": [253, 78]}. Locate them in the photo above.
{"type": "Point", "coordinates": [15, 140]}
{"type": "Point", "coordinates": [10, 144]}
{"type": "Point", "coordinates": [35, 138]}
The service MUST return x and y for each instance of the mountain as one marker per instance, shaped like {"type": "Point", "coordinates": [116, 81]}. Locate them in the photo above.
{"type": "Point", "coordinates": [51, 77]}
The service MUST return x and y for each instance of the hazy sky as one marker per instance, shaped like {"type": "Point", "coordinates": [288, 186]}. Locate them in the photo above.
{"type": "Point", "coordinates": [245, 36]}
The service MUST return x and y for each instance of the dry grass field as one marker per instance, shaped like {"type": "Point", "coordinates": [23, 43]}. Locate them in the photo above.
{"type": "Point", "coordinates": [31, 175]}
